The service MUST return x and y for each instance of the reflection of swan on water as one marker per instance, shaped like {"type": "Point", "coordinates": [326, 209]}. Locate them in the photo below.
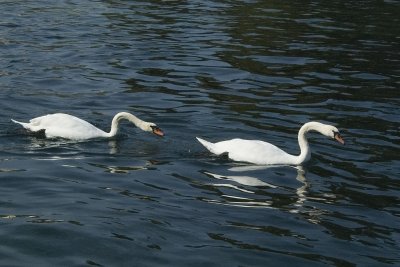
{"type": "Point", "coordinates": [301, 193]}
{"type": "Point", "coordinates": [243, 180]}
{"type": "Point", "coordinates": [302, 190]}
{"type": "Point", "coordinates": [113, 145]}
{"type": "Point", "coordinates": [73, 128]}
{"type": "Point", "coordinates": [250, 181]}
{"type": "Point", "coordinates": [263, 153]}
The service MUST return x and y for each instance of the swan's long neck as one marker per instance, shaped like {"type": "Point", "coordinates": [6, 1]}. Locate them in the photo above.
{"type": "Point", "coordinates": [127, 116]}
{"type": "Point", "coordinates": [305, 152]}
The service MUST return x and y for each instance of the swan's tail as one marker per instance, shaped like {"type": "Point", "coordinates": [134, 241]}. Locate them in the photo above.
{"type": "Point", "coordinates": [208, 145]}
{"type": "Point", "coordinates": [25, 125]}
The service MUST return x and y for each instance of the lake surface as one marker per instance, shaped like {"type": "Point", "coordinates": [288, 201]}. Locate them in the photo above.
{"type": "Point", "coordinates": [218, 70]}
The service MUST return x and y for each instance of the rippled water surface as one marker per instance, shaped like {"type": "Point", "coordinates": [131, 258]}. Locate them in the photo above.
{"type": "Point", "coordinates": [215, 69]}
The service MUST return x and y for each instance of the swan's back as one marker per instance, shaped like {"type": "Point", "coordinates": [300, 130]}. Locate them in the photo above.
{"type": "Point", "coordinates": [65, 126]}
{"type": "Point", "coordinates": [255, 151]}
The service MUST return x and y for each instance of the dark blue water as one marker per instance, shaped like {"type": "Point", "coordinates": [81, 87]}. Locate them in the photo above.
{"type": "Point", "coordinates": [215, 69]}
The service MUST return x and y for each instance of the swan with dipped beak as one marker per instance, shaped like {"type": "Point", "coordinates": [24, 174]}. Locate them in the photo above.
{"type": "Point", "coordinates": [70, 127]}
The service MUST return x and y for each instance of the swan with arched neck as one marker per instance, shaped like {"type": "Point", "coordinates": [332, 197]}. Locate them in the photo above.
{"type": "Point", "coordinates": [264, 153]}
{"type": "Point", "coordinates": [70, 127]}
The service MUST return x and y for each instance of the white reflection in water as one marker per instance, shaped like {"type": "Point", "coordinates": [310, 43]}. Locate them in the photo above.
{"type": "Point", "coordinates": [251, 181]}
{"type": "Point", "coordinates": [243, 180]}
{"type": "Point", "coordinates": [113, 147]}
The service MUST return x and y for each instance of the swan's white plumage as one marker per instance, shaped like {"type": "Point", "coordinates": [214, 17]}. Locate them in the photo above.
{"type": "Point", "coordinates": [254, 151]}
{"type": "Point", "coordinates": [263, 153]}
{"type": "Point", "coordinates": [64, 126]}
{"type": "Point", "coordinates": [70, 127]}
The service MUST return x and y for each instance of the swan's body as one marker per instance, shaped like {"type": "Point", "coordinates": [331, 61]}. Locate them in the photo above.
{"type": "Point", "coordinates": [70, 127]}
{"type": "Point", "coordinates": [263, 153]}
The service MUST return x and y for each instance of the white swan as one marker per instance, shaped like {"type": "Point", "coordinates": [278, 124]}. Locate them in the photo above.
{"type": "Point", "coordinates": [73, 128]}
{"type": "Point", "coordinates": [263, 153]}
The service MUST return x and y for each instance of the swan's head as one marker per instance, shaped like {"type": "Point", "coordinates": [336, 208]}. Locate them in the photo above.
{"type": "Point", "coordinates": [332, 132]}
{"type": "Point", "coordinates": [144, 125]}
{"type": "Point", "coordinates": [152, 127]}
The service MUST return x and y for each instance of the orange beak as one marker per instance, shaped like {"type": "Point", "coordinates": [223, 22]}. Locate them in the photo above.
{"type": "Point", "coordinates": [339, 138]}
{"type": "Point", "coordinates": [157, 131]}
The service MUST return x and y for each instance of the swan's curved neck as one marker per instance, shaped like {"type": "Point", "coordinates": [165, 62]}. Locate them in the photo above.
{"type": "Point", "coordinates": [127, 116]}
{"type": "Point", "coordinates": [305, 152]}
